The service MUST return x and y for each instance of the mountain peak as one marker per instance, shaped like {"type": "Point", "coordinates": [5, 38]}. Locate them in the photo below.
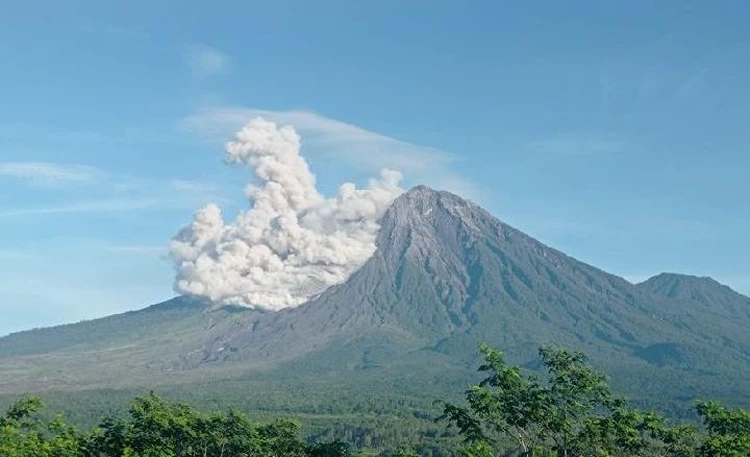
{"type": "Point", "coordinates": [677, 281]}
{"type": "Point", "coordinates": [667, 276]}
{"type": "Point", "coordinates": [421, 195]}
{"type": "Point", "coordinates": [421, 189]}
{"type": "Point", "coordinates": [422, 204]}
{"type": "Point", "coordinates": [699, 290]}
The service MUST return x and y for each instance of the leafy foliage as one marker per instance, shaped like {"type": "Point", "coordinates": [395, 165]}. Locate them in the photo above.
{"type": "Point", "coordinates": [155, 427]}
{"type": "Point", "coordinates": [729, 430]}
{"type": "Point", "coordinates": [23, 434]}
{"type": "Point", "coordinates": [574, 413]}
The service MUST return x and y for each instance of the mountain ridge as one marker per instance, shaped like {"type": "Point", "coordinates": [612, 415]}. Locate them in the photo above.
{"type": "Point", "coordinates": [446, 276]}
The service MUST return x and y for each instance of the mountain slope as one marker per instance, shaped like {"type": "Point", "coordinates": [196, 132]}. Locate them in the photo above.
{"type": "Point", "coordinates": [134, 325]}
{"type": "Point", "coordinates": [446, 276]}
{"type": "Point", "coordinates": [706, 294]}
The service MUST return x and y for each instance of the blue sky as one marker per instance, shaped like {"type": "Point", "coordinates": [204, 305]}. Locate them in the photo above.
{"type": "Point", "coordinates": [612, 130]}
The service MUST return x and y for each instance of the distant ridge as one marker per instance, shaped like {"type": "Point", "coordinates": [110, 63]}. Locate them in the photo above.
{"type": "Point", "coordinates": [704, 290]}
{"type": "Point", "coordinates": [93, 332]}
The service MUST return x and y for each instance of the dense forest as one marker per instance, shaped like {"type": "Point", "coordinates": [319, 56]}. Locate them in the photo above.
{"type": "Point", "coordinates": [572, 411]}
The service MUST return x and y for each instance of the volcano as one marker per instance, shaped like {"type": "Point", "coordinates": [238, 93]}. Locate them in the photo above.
{"type": "Point", "coordinates": [446, 276]}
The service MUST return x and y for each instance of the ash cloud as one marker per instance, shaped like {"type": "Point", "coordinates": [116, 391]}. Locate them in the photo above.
{"type": "Point", "coordinates": [292, 243]}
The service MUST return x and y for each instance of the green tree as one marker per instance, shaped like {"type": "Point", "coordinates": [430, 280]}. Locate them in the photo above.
{"type": "Point", "coordinates": [572, 413]}
{"type": "Point", "coordinates": [24, 434]}
{"type": "Point", "coordinates": [331, 449]}
{"type": "Point", "coordinates": [155, 427]}
{"type": "Point", "coordinates": [728, 430]}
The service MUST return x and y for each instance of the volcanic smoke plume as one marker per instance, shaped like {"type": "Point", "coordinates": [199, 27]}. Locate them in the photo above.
{"type": "Point", "coordinates": [292, 243]}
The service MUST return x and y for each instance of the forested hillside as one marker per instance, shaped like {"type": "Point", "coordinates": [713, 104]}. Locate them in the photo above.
{"type": "Point", "coordinates": [570, 412]}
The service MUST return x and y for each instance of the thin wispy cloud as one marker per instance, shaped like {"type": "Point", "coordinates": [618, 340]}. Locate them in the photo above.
{"type": "Point", "coordinates": [347, 143]}
{"type": "Point", "coordinates": [206, 61]}
{"type": "Point", "coordinates": [50, 173]}
{"type": "Point", "coordinates": [190, 186]}
{"type": "Point", "coordinates": [116, 192]}
{"type": "Point", "coordinates": [94, 206]}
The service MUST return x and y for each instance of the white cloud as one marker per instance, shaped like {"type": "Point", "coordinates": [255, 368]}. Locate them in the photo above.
{"type": "Point", "coordinates": [350, 144]}
{"type": "Point", "coordinates": [292, 242]}
{"type": "Point", "coordinates": [206, 61]}
{"type": "Point", "coordinates": [49, 173]}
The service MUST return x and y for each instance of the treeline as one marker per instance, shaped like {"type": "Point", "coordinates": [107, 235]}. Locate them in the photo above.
{"type": "Point", "coordinates": [572, 412]}
{"type": "Point", "coordinates": [155, 427]}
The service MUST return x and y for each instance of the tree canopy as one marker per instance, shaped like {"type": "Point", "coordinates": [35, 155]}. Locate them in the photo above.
{"type": "Point", "coordinates": [155, 427]}
{"type": "Point", "coordinates": [573, 412]}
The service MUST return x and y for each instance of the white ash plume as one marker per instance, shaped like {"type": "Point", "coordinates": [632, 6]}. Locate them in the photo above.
{"type": "Point", "coordinates": [292, 243]}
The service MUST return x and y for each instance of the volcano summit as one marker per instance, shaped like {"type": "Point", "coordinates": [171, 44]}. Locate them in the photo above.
{"type": "Point", "coordinates": [446, 275]}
